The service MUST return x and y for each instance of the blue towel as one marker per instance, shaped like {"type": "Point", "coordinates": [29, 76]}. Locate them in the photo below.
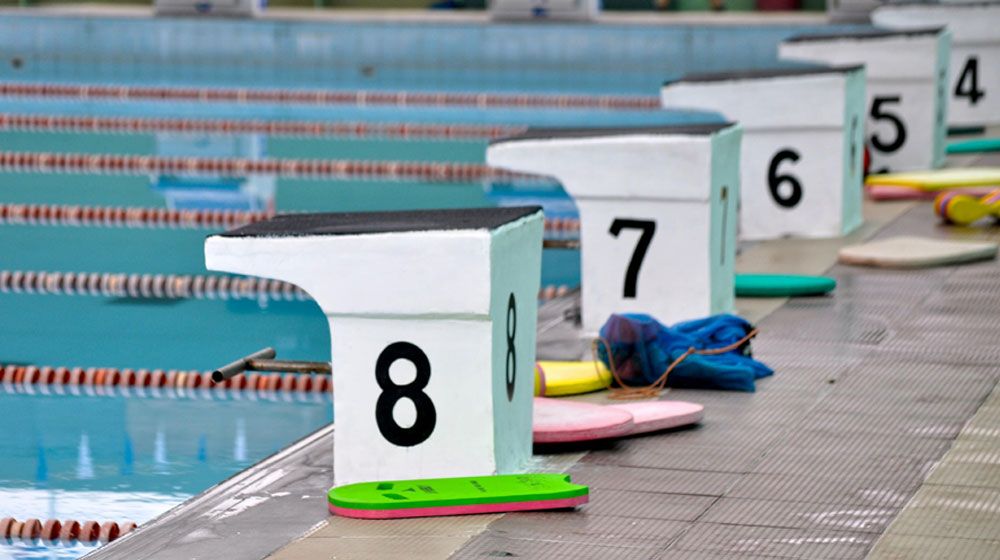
{"type": "Point", "coordinates": [643, 348]}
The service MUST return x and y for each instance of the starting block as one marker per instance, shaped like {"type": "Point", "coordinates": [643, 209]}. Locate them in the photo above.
{"type": "Point", "coordinates": [974, 88]}
{"type": "Point", "coordinates": [907, 75]}
{"type": "Point", "coordinates": [432, 323]}
{"type": "Point", "coordinates": [657, 213]}
{"type": "Point", "coordinates": [802, 145]}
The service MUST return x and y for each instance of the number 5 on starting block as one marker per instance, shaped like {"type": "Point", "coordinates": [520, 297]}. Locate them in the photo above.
{"type": "Point", "coordinates": [800, 167]}
{"type": "Point", "coordinates": [432, 321]}
{"type": "Point", "coordinates": [907, 75]}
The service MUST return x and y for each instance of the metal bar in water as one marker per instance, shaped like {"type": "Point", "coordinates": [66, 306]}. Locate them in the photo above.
{"type": "Point", "coordinates": [289, 366]}
{"type": "Point", "coordinates": [240, 365]}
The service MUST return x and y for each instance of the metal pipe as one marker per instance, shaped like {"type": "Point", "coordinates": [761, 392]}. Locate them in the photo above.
{"type": "Point", "coordinates": [561, 244]}
{"type": "Point", "coordinates": [289, 366]}
{"type": "Point", "coordinates": [240, 365]}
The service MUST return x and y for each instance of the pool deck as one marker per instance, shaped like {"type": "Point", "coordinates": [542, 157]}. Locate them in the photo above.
{"type": "Point", "coordinates": [877, 437]}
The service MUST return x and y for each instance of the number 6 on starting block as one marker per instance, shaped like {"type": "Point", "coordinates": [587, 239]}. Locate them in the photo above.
{"type": "Point", "coordinates": [432, 321]}
{"type": "Point", "coordinates": [657, 213]}
{"type": "Point", "coordinates": [802, 145]}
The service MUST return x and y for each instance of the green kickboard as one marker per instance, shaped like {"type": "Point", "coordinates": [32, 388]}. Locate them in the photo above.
{"type": "Point", "coordinates": [976, 146]}
{"type": "Point", "coordinates": [782, 285]}
{"type": "Point", "coordinates": [459, 491]}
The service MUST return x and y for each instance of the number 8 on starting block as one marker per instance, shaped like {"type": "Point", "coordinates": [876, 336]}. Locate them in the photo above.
{"type": "Point", "coordinates": [432, 321]}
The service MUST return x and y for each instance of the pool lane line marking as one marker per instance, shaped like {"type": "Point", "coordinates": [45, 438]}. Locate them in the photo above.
{"type": "Point", "coordinates": [137, 125]}
{"type": "Point", "coordinates": [443, 172]}
{"type": "Point", "coordinates": [358, 98]}
{"type": "Point", "coordinates": [169, 286]}
{"type": "Point", "coordinates": [70, 531]}
{"type": "Point", "coordinates": [148, 217]}
{"type": "Point", "coordinates": [172, 383]}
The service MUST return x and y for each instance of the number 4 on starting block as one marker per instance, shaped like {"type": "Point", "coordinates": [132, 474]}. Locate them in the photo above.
{"type": "Point", "coordinates": [432, 321]}
{"type": "Point", "coordinates": [802, 145]}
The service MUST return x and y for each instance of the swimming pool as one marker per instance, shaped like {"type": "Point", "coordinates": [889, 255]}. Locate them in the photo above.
{"type": "Point", "coordinates": [133, 457]}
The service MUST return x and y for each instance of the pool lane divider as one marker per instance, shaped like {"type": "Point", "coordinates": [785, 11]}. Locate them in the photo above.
{"type": "Point", "coordinates": [140, 217]}
{"type": "Point", "coordinates": [56, 532]}
{"type": "Point", "coordinates": [157, 382]}
{"type": "Point", "coordinates": [358, 98]}
{"type": "Point", "coordinates": [169, 286]}
{"type": "Point", "coordinates": [309, 129]}
{"type": "Point", "coordinates": [442, 172]}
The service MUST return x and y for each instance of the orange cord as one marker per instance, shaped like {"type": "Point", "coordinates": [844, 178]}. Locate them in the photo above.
{"type": "Point", "coordinates": [623, 392]}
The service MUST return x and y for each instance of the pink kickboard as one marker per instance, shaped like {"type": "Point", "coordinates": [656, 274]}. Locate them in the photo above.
{"type": "Point", "coordinates": [458, 510]}
{"type": "Point", "coordinates": [564, 421]}
{"type": "Point", "coordinates": [653, 416]}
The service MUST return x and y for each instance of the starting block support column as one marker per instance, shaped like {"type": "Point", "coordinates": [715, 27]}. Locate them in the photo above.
{"type": "Point", "coordinates": [974, 85]}
{"type": "Point", "coordinates": [907, 75]}
{"type": "Point", "coordinates": [657, 213]}
{"type": "Point", "coordinates": [801, 161]}
{"type": "Point", "coordinates": [432, 321]}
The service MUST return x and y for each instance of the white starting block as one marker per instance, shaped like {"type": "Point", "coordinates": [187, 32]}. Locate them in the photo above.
{"type": "Point", "coordinates": [974, 88]}
{"type": "Point", "coordinates": [657, 213]}
{"type": "Point", "coordinates": [222, 8]}
{"type": "Point", "coordinates": [545, 9]}
{"type": "Point", "coordinates": [802, 145]}
{"type": "Point", "coordinates": [907, 75]}
{"type": "Point", "coordinates": [432, 322]}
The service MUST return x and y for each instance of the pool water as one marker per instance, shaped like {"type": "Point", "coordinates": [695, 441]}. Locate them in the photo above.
{"type": "Point", "coordinates": [131, 458]}
{"type": "Point", "coordinates": [94, 456]}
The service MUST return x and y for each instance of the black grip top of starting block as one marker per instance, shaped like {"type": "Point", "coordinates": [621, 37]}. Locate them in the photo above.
{"type": "Point", "coordinates": [764, 73]}
{"type": "Point", "coordinates": [360, 223]}
{"type": "Point", "coordinates": [865, 34]}
{"type": "Point", "coordinates": [593, 132]}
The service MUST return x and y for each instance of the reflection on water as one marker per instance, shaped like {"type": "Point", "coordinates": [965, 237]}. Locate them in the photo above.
{"type": "Point", "coordinates": [131, 459]}
{"type": "Point", "coordinates": [209, 191]}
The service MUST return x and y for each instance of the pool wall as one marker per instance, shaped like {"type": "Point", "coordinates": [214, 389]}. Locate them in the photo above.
{"type": "Point", "coordinates": [619, 58]}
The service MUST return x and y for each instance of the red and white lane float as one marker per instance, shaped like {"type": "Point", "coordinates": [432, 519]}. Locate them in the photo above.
{"type": "Point", "coordinates": [146, 217]}
{"type": "Point", "coordinates": [70, 531]}
{"type": "Point", "coordinates": [116, 164]}
{"type": "Point", "coordinates": [133, 125]}
{"type": "Point", "coordinates": [169, 286]}
{"type": "Point", "coordinates": [326, 97]}
{"type": "Point", "coordinates": [154, 382]}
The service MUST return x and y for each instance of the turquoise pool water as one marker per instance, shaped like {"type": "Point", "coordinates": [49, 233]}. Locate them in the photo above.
{"type": "Point", "coordinates": [132, 458]}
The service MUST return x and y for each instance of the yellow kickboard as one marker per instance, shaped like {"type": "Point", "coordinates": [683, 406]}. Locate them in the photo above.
{"type": "Point", "coordinates": [940, 179]}
{"type": "Point", "coordinates": [557, 379]}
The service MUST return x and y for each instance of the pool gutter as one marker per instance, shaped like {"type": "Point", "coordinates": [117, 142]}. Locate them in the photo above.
{"type": "Point", "coordinates": [249, 515]}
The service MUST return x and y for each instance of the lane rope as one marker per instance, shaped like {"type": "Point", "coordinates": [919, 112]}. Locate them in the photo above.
{"type": "Point", "coordinates": [444, 172]}
{"type": "Point", "coordinates": [173, 383]}
{"type": "Point", "coordinates": [169, 286]}
{"type": "Point", "coordinates": [140, 217]}
{"type": "Point", "coordinates": [68, 532]}
{"type": "Point", "coordinates": [305, 129]}
{"type": "Point", "coordinates": [358, 98]}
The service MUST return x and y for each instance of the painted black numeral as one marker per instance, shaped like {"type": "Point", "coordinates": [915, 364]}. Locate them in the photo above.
{"type": "Point", "coordinates": [511, 371]}
{"type": "Point", "coordinates": [391, 393]}
{"type": "Point", "coordinates": [970, 74]}
{"type": "Point", "coordinates": [648, 228]}
{"type": "Point", "coordinates": [774, 180]}
{"type": "Point", "coordinates": [879, 113]}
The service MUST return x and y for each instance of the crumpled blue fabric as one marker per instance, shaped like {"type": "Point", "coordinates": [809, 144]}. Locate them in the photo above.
{"type": "Point", "coordinates": [643, 348]}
